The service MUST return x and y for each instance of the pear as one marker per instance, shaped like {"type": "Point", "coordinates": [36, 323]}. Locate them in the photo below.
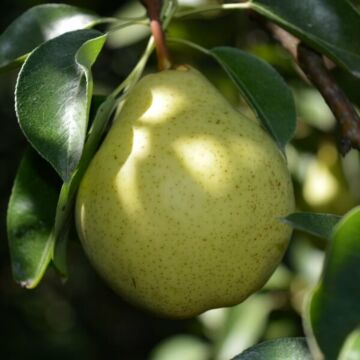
{"type": "Point", "coordinates": [179, 209]}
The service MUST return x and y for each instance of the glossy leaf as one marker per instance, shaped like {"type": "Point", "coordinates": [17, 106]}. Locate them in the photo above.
{"type": "Point", "coordinates": [279, 349]}
{"type": "Point", "coordinates": [330, 26]}
{"type": "Point", "coordinates": [53, 96]}
{"type": "Point", "coordinates": [334, 308]}
{"type": "Point", "coordinates": [64, 210]}
{"type": "Point", "coordinates": [30, 219]}
{"type": "Point", "coordinates": [320, 225]}
{"type": "Point", "coordinates": [263, 88]}
{"type": "Point", "coordinates": [37, 25]}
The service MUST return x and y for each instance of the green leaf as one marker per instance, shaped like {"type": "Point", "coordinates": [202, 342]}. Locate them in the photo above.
{"type": "Point", "coordinates": [349, 83]}
{"type": "Point", "coordinates": [64, 209]}
{"type": "Point", "coordinates": [330, 26]}
{"type": "Point", "coordinates": [65, 229]}
{"type": "Point", "coordinates": [53, 96]}
{"type": "Point", "coordinates": [279, 349]}
{"type": "Point", "coordinates": [30, 219]}
{"type": "Point", "coordinates": [351, 348]}
{"type": "Point", "coordinates": [60, 250]}
{"type": "Point", "coordinates": [316, 224]}
{"type": "Point", "coordinates": [37, 25]}
{"type": "Point", "coordinates": [67, 234]}
{"type": "Point", "coordinates": [264, 90]}
{"type": "Point", "coordinates": [334, 307]}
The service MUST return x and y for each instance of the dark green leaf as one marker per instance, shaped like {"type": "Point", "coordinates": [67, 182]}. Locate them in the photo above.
{"type": "Point", "coordinates": [68, 233]}
{"type": "Point", "coordinates": [320, 225]}
{"type": "Point", "coordinates": [53, 97]}
{"type": "Point", "coordinates": [64, 210]}
{"type": "Point", "coordinates": [264, 90]}
{"type": "Point", "coordinates": [279, 349]}
{"type": "Point", "coordinates": [37, 25]}
{"type": "Point", "coordinates": [351, 348]}
{"type": "Point", "coordinates": [334, 308]}
{"type": "Point", "coordinates": [30, 219]}
{"type": "Point", "coordinates": [349, 83]}
{"type": "Point", "coordinates": [65, 229]}
{"type": "Point", "coordinates": [330, 26]}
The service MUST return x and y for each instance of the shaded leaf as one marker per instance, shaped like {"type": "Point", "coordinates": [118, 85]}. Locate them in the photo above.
{"type": "Point", "coordinates": [64, 211]}
{"type": "Point", "coordinates": [263, 88]}
{"type": "Point", "coordinates": [53, 97]}
{"type": "Point", "coordinates": [37, 25]}
{"type": "Point", "coordinates": [334, 307]}
{"type": "Point", "coordinates": [279, 349]}
{"type": "Point", "coordinates": [316, 224]}
{"type": "Point", "coordinates": [67, 234]}
{"type": "Point", "coordinates": [330, 26]}
{"type": "Point", "coordinates": [349, 83]}
{"type": "Point", "coordinates": [30, 219]}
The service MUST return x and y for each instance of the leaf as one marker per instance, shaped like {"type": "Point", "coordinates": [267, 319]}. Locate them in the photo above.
{"type": "Point", "coordinates": [320, 225]}
{"type": "Point", "coordinates": [53, 96]}
{"type": "Point", "coordinates": [334, 307]}
{"type": "Point", "coordinates": [279, 349]}
{"type": "Point", "coordinates": [330, 26]}
{"type": "Point", "coordinates": [67, 234]}
{"type": "Point", "coordinates": [263, 89]}
{"type": "Point", "coordinates": [30, 219]}
{"type": "Point", "coordinates": [348, 83]}
{"type": "Point", "coordinates": [64, 210]}
{"type": "Point", "coordinates": [351, 349]}
{"type": "Point", "coordinates": [38, 25]}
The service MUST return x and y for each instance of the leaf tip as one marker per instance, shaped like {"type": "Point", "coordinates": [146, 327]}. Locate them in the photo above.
{"type": "Point", "coordinates": [27, 284]}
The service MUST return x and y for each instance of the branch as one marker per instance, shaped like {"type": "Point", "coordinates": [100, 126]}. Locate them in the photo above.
{"type": "Point", "coordinates": [154, 9]}
{"type": "Point", "coordinates": [314, 68]}
{"type": "Point", "coordinates": [313, 65]}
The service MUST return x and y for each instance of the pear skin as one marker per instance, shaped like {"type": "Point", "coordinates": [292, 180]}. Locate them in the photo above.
{"type": "Point", "coordinates": [179, 209]}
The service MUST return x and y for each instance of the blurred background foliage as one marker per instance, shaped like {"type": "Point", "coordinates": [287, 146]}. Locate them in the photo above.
{"type": "Point", "coordinates": [82, 318]}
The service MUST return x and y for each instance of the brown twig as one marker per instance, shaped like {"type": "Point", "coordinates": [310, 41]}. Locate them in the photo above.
{"type": "Point", "coordinates": [315, 70]}
{"type": "Point", "coordinates": [154, 8]}
{"type": "Point", "coordinates": [313, 65]}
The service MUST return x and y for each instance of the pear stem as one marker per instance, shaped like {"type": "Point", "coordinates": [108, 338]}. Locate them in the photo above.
{"type": "Point", "coordinates": [154, 9]}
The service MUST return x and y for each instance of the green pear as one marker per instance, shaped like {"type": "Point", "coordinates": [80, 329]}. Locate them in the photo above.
{"type": "Point", "coordinates": [179, 209]}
